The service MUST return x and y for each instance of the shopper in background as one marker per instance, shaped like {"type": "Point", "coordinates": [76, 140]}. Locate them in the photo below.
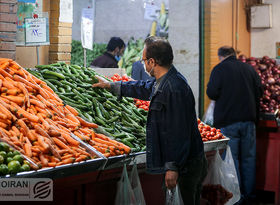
{"type": "Point", "coordinates": [174, 144]}
{"type": "Point", "coordinates": [109, 59]}
{"type": "Point", "coordinates": [138, 72]}
{"type": "Point", "coordinates": [236, 88]}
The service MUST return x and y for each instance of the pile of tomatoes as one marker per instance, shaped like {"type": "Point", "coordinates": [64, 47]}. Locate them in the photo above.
{"type": "Point", "coordinates": [209, 133]}
{"type": "Point", "coordinates": [142, 104]}
{"type": "Point", "coordinates": [117, 77]}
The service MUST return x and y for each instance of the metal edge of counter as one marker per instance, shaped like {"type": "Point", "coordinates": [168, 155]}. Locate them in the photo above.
{"type": "Point", "coordinates": [102, 164]}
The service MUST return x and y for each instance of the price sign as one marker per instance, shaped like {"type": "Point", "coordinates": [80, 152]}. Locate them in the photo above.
{"type": "Point", "coordinates": [36, 30]}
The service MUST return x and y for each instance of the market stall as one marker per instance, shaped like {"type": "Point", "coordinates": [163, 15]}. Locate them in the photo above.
{"type": "Point", "coordinates": [85, 156]}
{"type": "Point", "coordinates": [268, 132]}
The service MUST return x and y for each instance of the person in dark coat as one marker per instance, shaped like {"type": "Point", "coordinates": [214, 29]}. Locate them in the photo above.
{"type": "Point", "coordinates": [236, 88]}
{"type": "Point", "coordinates": [138, 72]}
{"type": "Point", "coordinates": [174, 144]}
{"type": "Point", "coordinates": [115, 49]}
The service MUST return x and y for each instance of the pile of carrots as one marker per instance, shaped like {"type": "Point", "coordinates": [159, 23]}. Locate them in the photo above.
{"type": "Point", "coordinates": [35, 121]}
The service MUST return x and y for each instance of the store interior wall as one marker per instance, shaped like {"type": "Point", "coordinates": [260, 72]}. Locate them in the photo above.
{"type": "Point", "coordinates": [77, 12]}
{"type": "Point", "coordinates": [263, 41]}
{"type": "Point", "coordinates": [26, 55]}
{"type": "Point", "coordinates": [184, 38]}
{"type": "Point", "coordinates": [123, 18]}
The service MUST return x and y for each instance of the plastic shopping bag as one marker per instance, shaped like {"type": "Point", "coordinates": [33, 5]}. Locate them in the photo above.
{"type": "Point", "coordinates": [228, 168]}
{"type": "Point", "coordinates": [173, 197]}
{"type": "Point", "coordinates": [125, 194]}
{"type": "Point", "coordinates": [136, 186]}
{"type": "Point", "coordinates": [221, 184]}
{"type": "Point", "coordinates": [208, 117]}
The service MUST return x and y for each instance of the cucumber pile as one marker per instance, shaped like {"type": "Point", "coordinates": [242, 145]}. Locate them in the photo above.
{"type": "Point", "coordinates": [117, 118]}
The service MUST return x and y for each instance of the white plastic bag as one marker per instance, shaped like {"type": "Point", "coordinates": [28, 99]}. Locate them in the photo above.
{"type": "Point", "coordinates": [221, 183]}
{"type": "Point", "coordinates": [136, 186]}
{"type": "Point", "coordinates": [208, 117]}
{"type": "Point", "coordinates": [173, 197]}
{"type": "Point", "coordinates": [125, 194]}
{"type": "Point", "coordinates": [228, 168]}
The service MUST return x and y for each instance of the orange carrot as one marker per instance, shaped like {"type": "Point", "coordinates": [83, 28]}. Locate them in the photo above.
{"type": "Point", "coordinates": [63, 151]}
{"type": "Point", "coordinates": [59, 143]}
{"type": "Point", "coordinates": [54, 108]}
{"type": "Point", "coordinates": [42, 143]}
{"type": "Point", "coordinates": [44, 160]}
{"type": "Point", "coordinates": [42, 132]}
{"type": "Point", "coordinates": [24, 81]}
{"type": "Point", "coordinates": [70, 140]}
{"type": "Point", "coordinates": [81, 158]}
{"type": "Point", "coordinates": [66, 156]}
{"type": "Point", "coordinates": [27, 149]}
{"type": "Point", "coordinates": [22, 113]}
{"type": "Point", "coordinates": [86, 131]}
{"type": "Point", "coordinates": [72, 110]}
{"type": "Point", "coordinates": [81, 136]}
{"type": "Point", "coordinates": [81, 151]}
{"type": "Point", "coordinates": [106, 154]}
{"type": "Point", "coordinates": [3, 72]}
{"type": "Point", "coordinates": [86, 124]}
{"type": "Point", "coordinates": [26, 130]}
{"type": "Point", "coordinates": [37, 103]}
{"type": "Point", "coordinates": [52, 164]}
{"type": "Point", "coordinates": [5, 111]}
{"type": "Point", "coordinates": [16, 99]}
{"type": "Point", "coordinates": [35, 149]}
{"type": "Point", "coordinates": [25, 92]}
{"type": "Point", "coordinates": [2, 116]}
{"type": "Point", "coordinates": [15, 129]}
{"type": "Point", "coordinates": [3, 125]}
{"type": "Point", "coordinates": [53, 133]}
{"type": "Point", "coordinates": [43, 100]}
{"type": "Point", "coordinates": [13, 91]}
{"type": "Point", "coordinates": [4, 90]}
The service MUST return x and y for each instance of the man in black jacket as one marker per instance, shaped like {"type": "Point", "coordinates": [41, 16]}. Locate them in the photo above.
{"type": "Point", "coordinates": [115, 48]}
{"type": "Point", "coordinates": [236, 88]}
{"type": "Point", "coordinates": [174, 144]}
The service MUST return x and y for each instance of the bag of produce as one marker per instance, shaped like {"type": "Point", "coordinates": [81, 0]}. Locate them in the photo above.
{"type": "Point", "coordinates": [125, 194]}
{"type": "Point", "coordinates": [221, 184]}
{"type": "Point", "coordinates": [208, 117]}
{"type": "Point", "coordinates": [228, 168]}
{"type": "Point", "coordinates": [173, 197]}
{"type": "Point", "coordinates": [136, 186]}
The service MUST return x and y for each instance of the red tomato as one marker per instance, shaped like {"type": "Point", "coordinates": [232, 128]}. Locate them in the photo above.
{"type": "Point", "coordinates": [213, 129]}
{"type": "Point", "coordinates": [208, 127]}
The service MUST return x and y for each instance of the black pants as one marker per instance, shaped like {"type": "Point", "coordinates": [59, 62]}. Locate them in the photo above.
{"type": "Point", "coordinates": [190, 182]}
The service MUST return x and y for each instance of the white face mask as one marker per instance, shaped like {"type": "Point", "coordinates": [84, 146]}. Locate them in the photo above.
{"type": "Point", "coordinates": [145, 69]}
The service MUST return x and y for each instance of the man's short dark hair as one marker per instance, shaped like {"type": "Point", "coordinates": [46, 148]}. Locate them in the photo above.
{"type": "Point", "coordinates": [160, 50]}
{"type": "Point", "coordinates": [225, 51]}
{"type": "Point", "coordinates": [115, 42]}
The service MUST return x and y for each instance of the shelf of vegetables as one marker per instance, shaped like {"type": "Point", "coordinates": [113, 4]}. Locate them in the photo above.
{"type": "Point", "coordinates": [51, 119]}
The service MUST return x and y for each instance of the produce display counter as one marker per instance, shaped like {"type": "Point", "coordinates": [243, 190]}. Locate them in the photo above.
{"type": "Point", "coordinates": [268, 155]}
{"type": "Point", "coordinates": [95, 181]}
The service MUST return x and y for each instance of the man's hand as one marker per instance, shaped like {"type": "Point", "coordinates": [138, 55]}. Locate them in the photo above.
{"type": "Point", "coordinates": [171, 179]}
{"type": "Point", "coordinates": [102, 83]}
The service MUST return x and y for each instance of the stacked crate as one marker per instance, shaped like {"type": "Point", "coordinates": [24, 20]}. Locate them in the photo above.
{"type": "Point", "coordinates": [60, 36]}
{"type": "Point", "coordinates": [8, 28]}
